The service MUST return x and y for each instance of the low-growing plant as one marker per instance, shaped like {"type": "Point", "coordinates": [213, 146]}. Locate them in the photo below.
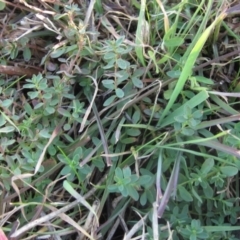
{"type": "Point", "coordinates": [119, 129]}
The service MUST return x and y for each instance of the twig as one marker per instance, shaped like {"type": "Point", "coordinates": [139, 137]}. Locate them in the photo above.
{"type": "Point", "coordinates": [18, 71]}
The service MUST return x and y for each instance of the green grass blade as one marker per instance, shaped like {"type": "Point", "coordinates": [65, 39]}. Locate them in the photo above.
{"type": "Point", "coordinates": [221, 228]}
{"type": "Point", "coordinates": [195, 101]}
{"type": "Point", "coordinates": [187, 69]}
{"type": "Point", "coordinates": [223, 105]}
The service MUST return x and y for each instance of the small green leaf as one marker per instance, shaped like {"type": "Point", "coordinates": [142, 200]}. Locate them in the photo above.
{"type": "Point", "coordinates": [229, 170]}
{"type": "Point", "coordinates": [29, 85]}
{"type": "Point", "coordinates": [47, 96]}
{"type": "Point", "coordinates": [54, 101]}
{"type": "Point", "coordinates": [132, 192]}
{"type": "Point", "coordinates": [68, 95]}
{"type": "Point", "coordinates": [123, 64]}
{"type": "Point", "coordinates": [188, 131]}
{"type": "Point", "coordinates": [167, 94]}
{"type": "Point", "coordinates": [122, 76]}
{"type": "Point", "coordinates": [195, 224]}
{"type": "Point", "coordinates": [143, 199]}
{"type": "Point", "coordinates": [196, 196]}
{"type": "Point", "coordinates": [202, 80]}
{"type": "Point", "coordinates": [123, 190]}
{"type": "Point", "coordinates": [14, 53]}
{"type": "Point", "coordinates": [133, 132]}
{"type": "Point", "coordinates": [78, 151]}
{"type": "Point", "coordinates": [180, 119]}
{"type": "Point", "coordinates": [128, 140]}
{"type": "Point", "coordinates": [99, 163]}
{"type": "Point", "coordinates": [32, 95]}
{"type": "Point", "coordinates": [118, 172]}
{"type": "Point", "coordinates": [113, 188]}
{"type": "Point", "coordinates": [39, 105]}
{"type": "Point", "coordinates": [134, 178]}
{"type": "Point", "coordinates": [67, 127]}
{"type": "Point", "coordinates": [49, 110]}
{"type": "Point", "coordinates": [174, 42]}
{"type": "Point", "coordinates": [109, 55]}
{"type": "Point", "coordinates": [7, 103]}
{"type": "Point", "coordinates": [58, 52]}
{"type": "Point", "coordinates": [138, 72]}
{"type": "Point", "coordinates": [2, 120]}
{"type": "Point", "coordinates": [52, 150]}
{"type": "Point", "coordinates": [119, 41]}
{"type": "Point", "coordinates": [96, 141]}
{"type": "Point", "coordinates": [27, 54]}
{"type": "Point", "coordinates": [144, 180]}
{"type": "Point", "coordinates": [193, 122]}
{"type": "Point", "coordinates": [137, 82]}
{"type": "Point", "coordinates": [119, 93]}
{"type": "Point", "coordinates": [64, 112]}
{"type": "Point", "coordinates": [126, 172]}
{"type": "Point", "coordinates": [208, 191]}
{"type": "Point", "coordinates": [136, 116]}
{"type": "Point", "coordinates": [8, 142]}
{"type": "Point", "coordinates": [7, 129]}
{"type": "Point", "coordinates": [62, 158]}
{"type": "Point", "coordinates": [109, 101]}
{"type": "Point", "coordinates": [2, 5]}
{"type": "Point", "coordinates": [66, 170]}
{"type": "Point", "coordinates": [121, 50]}
{"type": "Point", "coordinates": [193, 236]}
{"type": "Point", "coordinates": [108, 83]}
{"type": "Point", "coordinates": [207, 166]}
{"type": "Point", "coordinates": [110, 64]}
{"type": "Point", "coordinates": [44, 133]}
{"type": "Point", "coordinates": [197, 114]}
{"type": "Point", "coordinates": [43, 85]}
{"type": "Point", "coordinates": [174, 74]}
{"type": "Point", "coordinates": [185, 195]}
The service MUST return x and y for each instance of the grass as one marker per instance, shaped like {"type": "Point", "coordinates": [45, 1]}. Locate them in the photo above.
{"type": "Point", "coordinates": [119, 120]}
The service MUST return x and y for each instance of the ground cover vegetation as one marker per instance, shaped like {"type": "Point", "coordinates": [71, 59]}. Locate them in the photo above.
{"type": "Point", "coordinates": [119, 119]}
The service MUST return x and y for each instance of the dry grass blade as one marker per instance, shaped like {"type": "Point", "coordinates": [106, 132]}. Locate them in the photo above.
{"type": "Point", "coordinates": [171, 187]}
{"type": "Point", "coordinates": [225, 94]}
{"type": "Point", "coordinates": [219, 146]}
{"type": "Point", "coordinates": [36, 9]}
{"type": "Point", "coordinates": [81, 199]}
{"type": "Point", "coordinates": [135, 228]}
{"type": "Point", "coordinates": [166, 20]}
{"type": "Point", "coordinates": [55, 213]}
{"type": "Point", "coordinates": [90, 106]}
{"type": "Point", "coordinates": [158, 178]}
{"type": "Point", "coordinates": [91, 223]}
{"type": "Point", "coordinates": [89, 12]}
{"type": "Point", "coordinates": [54, 134]}
{"type": "Point", "coordinates": [103, 137]}
{"type": "Point", "coordinates": [107, 24]}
